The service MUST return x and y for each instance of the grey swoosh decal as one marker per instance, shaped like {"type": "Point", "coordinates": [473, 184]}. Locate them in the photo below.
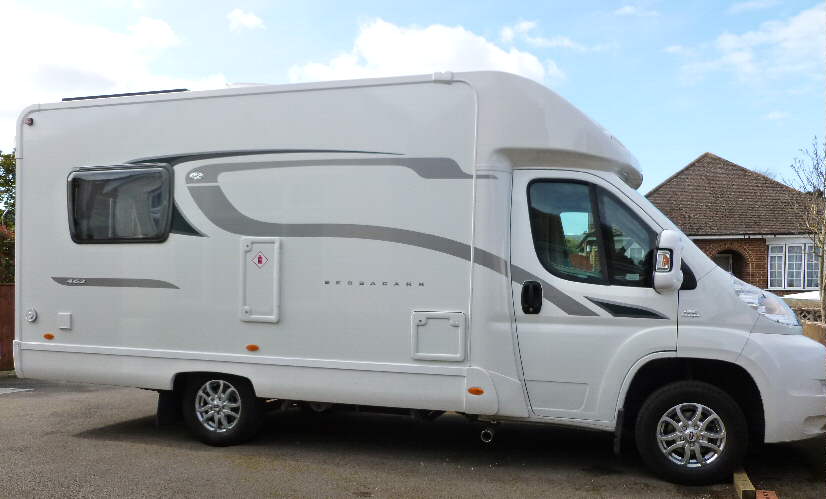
{"type": "Point", "coordinates": [113, 282]}
{"type": "Point", "coordinates": [429, 168]}
{"type": "Point", "coordinates": [176, 159]}
{"type": "Point", "coordinates": [618, 309]}
{"type": "Point", "coordinates": [215, 206]}
{"type": "Point", "coordinates": [180, 224]}
{"type": "Point", "coordinates": [552, 293]}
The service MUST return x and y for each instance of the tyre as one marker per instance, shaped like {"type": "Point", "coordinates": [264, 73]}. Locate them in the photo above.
{"type": "Point", "coordinates": [221, 410]}
{"type": "Point", "coordinates": [692, 433]}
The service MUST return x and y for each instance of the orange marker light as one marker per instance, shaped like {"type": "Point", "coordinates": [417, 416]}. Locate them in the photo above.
{"type": "Point", "coordinates": [252, 348]}
{"type": "Point", "coordinates": [48, 336]}
{"type": "Point", "coordinates": [475, 390]}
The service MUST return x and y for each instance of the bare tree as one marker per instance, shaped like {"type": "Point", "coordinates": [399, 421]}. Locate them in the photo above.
{"type": "Point", "coordinates": [810, 179]}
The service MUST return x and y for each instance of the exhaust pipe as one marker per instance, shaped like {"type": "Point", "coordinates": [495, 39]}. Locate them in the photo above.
{"type": "Point", "coordinates": [487, 435]}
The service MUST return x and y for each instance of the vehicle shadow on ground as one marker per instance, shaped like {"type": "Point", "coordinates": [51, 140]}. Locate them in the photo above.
{"type": "Point", "coordinates": [388, 441]}
{"type": "Point", "coordinates": [454, 441]}
{"type": "Point", "coordinates": [382, 436]}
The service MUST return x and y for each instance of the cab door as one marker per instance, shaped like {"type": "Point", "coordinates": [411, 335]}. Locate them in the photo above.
{"type": "Point", "coordinates": [585, 306]}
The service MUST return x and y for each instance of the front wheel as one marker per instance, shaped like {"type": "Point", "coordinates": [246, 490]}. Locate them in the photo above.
{"type": "Point", "coordinates": [691, 433]}
{"type": "Point", "coordinates": [221, 410]}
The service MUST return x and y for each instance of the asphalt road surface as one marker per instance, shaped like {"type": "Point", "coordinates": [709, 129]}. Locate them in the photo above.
{"type": "Point", "coordinates": [67, 440]}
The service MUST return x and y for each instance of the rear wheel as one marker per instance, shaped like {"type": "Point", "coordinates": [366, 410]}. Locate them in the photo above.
{"type": "Point", "coordinates": [221, 410]}
{"type": "Point", "coordinates": [692, 433]}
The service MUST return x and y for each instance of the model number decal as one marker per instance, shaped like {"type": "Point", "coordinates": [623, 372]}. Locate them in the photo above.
{"type": "Point", "coordinates": [387, 284]}
{"type": "Point", "coordinates": [75, 282]}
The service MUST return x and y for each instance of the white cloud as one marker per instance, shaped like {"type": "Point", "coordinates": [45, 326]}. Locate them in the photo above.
{"type": "Point", "coordinates": [120, 4]}
{"type": "Point", "coordinates": [738, 7]}
{"type": "Point", "coordinates": [791, 47]}
{"type": "Point", "coordinates": [553, 73]}
{"type": "Point", "coordinates": [633, 10]}
{"type": "Point", "coordinates": [153, 33]}
{"type": "Point", "coordinates": [239, 19]}
{"type": "Point", "coordinates": [679, 50]}
{"type": "Point", "coordinates": [508, 33]}
{"type": "Point", "coordinates": [385, 49]}
{"type": "Point", "coordinates": [557, 41]}
{"type": "Point", "coordinates": [523, 31]}
{"type": "Point", "coordinates": [88, 60]}
{"type": "Point", "coordinates": [776, 115]}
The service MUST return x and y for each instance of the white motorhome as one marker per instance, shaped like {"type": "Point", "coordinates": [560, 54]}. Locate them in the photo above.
{"type": "Point", "coordinates": [464, 242]}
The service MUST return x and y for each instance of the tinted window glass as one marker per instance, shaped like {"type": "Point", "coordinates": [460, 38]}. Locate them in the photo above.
{"type": "Point", "coordinates": [628, 241]}
{"type": "Point", "coordinates": [575, 242]}
{"type": "Point", "coordinates": [120, 204]}
{"type": "Point", "coordinates": [563, 225]}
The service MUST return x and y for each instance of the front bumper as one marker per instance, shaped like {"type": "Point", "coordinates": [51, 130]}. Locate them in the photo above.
{"type": "Point", "coordinates": [790, 372]}
{"type": "Point", "coordinates": [803, 416]}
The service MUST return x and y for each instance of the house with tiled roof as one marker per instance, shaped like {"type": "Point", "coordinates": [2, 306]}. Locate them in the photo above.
{"type": "Point", "coordinates": [748, 223]}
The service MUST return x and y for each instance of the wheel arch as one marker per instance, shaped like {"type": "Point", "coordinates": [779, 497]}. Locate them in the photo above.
{"type": "Point", "coordinates": [654, 373]}
{"type": "Point", "coordinates": [179, 380]}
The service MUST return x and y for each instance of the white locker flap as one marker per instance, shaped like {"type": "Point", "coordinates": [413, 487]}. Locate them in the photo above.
{"type": "Point", "coordinates": [437, 335]}
{"type": "Point", "coordinates": [260, 259]}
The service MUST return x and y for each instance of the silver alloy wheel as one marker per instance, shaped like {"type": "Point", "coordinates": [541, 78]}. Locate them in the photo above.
{"type": "Point", "coordinates": [691, 435]}
{"type": "Point", "coordinates": [218, 405]}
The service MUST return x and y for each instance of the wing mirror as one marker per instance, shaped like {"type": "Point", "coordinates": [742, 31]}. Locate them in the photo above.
{"type": "Point", "coordinates": [668, 260]}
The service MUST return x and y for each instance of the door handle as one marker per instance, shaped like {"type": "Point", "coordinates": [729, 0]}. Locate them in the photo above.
{"type": "Point", "coordinates": [531, 297]}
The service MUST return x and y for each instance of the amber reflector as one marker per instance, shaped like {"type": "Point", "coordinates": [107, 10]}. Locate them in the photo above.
{"type": "Point", "coordinates": [48, 336]}
{"type": "Point", "coordinates": [252, 348]}
{"type": "Point", "coordinates": [475, 390]}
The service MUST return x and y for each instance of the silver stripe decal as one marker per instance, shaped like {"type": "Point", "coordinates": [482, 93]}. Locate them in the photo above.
{"type": "Point", "coordinates": [429, 168]}
{"type": "Point", "coordinates": [217, 208]}
{"type": "Point", "coordinates": [176, 159]}
{"type": "Point", "coordinates": [113, 282]}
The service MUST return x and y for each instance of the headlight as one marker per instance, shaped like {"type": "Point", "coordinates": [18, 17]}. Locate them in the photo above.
{"type": "Point", "coordinates": [769, 305]}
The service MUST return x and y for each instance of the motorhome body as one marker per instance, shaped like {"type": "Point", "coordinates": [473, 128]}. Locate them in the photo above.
{"type": "Point", "coordinates": [456, 242]}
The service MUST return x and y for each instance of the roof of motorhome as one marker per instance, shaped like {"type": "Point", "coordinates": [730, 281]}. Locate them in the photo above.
{"type": "Point", "coordinates": [520, 123]}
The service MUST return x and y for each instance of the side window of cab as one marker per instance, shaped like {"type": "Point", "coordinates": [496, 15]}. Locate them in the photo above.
{"type": "Point", "coordinates": [583, 233]}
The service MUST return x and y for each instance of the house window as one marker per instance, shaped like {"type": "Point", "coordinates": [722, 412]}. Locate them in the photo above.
{"type": "Point", "coordinates": [724, 261]}
{"type": "Point", "coordinates": [812, 267]}
{"type": "Point", "coordinates": [776, 266]}
{"type": "Point", "coordinates": [794, 266]}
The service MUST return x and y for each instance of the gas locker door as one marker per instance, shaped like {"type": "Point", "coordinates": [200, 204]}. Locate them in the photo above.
{"type": "Point", "coordinates": [587, 251]}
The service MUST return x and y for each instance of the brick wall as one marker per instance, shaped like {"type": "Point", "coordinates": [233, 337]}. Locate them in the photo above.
{"type": "Point", "coordinates": [755, 269]}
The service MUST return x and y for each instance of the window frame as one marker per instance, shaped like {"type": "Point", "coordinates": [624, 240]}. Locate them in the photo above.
{"type": "Point", "coordinates": [70, 202]}
{"type": "Point", "coordinates": [782, 256]}
{"type": "Point", "coordinates": [816, 261]}
{"type": "Point", "coordinates": [802, 247]}
{"type": "Point", "coordinates": [600, 232]}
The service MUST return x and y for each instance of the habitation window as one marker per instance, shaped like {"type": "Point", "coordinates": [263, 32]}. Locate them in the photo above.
{"type": "Point", "coordinates": [120, 204]}
{"type": "Point", "coordinates": [583, 233]}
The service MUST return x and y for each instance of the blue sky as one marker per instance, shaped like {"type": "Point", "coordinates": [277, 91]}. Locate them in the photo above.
{"type": "Point", "coordinates": [743, 79]}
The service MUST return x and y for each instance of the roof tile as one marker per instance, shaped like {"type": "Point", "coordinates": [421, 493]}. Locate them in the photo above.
{"type": "Point", "coordinates": [713, 196]}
